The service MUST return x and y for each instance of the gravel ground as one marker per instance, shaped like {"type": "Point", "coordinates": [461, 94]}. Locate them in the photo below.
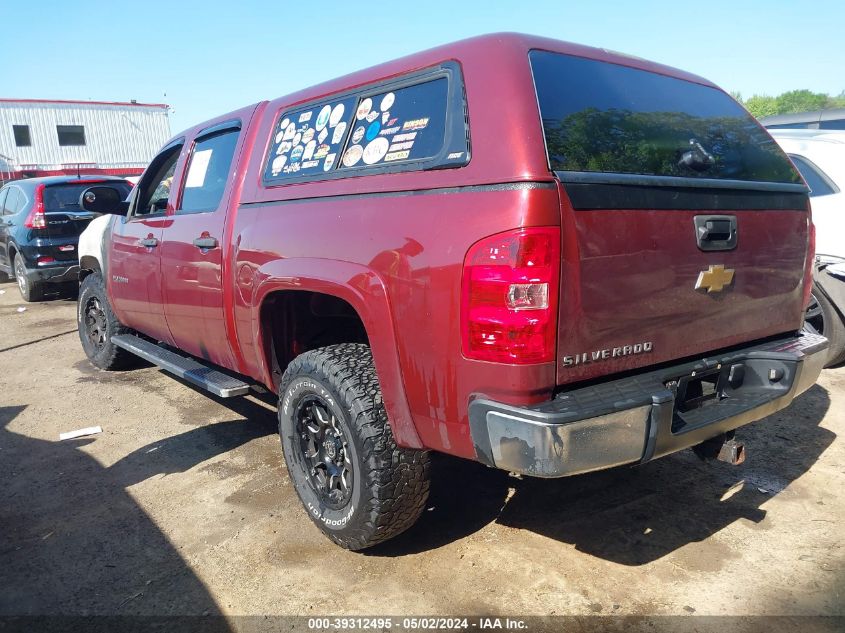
{"type": "Point", "coordinates": [183, 506]}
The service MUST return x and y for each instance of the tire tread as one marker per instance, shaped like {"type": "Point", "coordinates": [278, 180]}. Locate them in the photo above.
{"type": "Point", "coordinates": [397, 479]}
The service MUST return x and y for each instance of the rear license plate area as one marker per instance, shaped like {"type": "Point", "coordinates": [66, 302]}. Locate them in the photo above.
{"type": "Point", "coordinates": [695, 391]}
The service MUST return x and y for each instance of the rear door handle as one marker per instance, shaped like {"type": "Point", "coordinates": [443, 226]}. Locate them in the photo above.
{"type": "Point", "coordinates": [205, 242]}
{"type": "Point", "coordinates": [148, 242]}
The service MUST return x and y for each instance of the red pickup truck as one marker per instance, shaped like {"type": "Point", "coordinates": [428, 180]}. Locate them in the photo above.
{"type": "Point", "coordinates": [545, 257]}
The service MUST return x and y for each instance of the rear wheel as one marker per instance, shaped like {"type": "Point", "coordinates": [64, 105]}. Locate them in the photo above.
{"type": "Point", "coordinates": [356, 484]}
{"type": "Point", "coordinates": [823, 318]}
{"type": "Point", "coordinates": [30, 290]}
{"type": "Point", "coordinates": [97, 324]}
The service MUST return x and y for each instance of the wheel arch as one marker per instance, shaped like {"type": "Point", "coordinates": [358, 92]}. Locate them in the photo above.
{"type": "Point", "coordinates": [11, 251]}
{"type": "Point", "coordinates": [356, 286]}
{"type": "Point", "coordinates": [88, 264]}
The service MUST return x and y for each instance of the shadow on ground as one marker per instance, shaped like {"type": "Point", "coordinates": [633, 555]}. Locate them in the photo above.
{"type": "Point", "coordinates": [75, 542]}
{"type": "Point", "coordinates": [630, 516]}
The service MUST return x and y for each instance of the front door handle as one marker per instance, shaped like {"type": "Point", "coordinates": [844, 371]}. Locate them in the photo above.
{"type": "Point", "coordinates": [148, 242]}
{"type": "Point", "coordinates": [205, 242]}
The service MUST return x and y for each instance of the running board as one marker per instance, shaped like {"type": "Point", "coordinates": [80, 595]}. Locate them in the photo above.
{"type": "Point", "coordinates": [188, 369]}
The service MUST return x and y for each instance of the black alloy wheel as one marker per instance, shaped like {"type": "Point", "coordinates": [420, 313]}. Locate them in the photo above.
{"type": "Point", "coordinates": [324, 452]}
{"type": "Point", "coordinates": [95, 323]}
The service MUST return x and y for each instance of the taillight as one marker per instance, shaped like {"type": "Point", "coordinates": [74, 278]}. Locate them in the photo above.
{"type": "Point", "coordinates": [810, 263]}
{"type": "Point", "coordinates": [510, 291]}
{"type": "Point", "coordinates": [36, 218]}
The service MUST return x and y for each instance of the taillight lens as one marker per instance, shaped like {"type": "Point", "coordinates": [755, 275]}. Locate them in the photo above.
{"type": "Point", "coordinates": [510, 291]}
{"type": "Point", "coordinates": [36, 218]}
{"type": "Point", "coordinates": [810, 263]}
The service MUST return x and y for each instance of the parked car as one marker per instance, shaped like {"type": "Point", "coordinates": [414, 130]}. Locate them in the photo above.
{"type": "Point", "coordinates": [548, 258]}
{"type": "Point", "coordinates": [820, 157]}
{"type": "Point", "coordinates": [40, 223]}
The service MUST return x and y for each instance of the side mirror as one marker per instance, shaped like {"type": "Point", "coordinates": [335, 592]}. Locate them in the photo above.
{"type": "Point", "coordinates": [102, 199]}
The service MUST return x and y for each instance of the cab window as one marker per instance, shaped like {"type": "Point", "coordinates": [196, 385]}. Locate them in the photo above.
{"type": "Point", "coordinates": [208, 171]}
{"type": "Point", "coordinates": [155, 187]}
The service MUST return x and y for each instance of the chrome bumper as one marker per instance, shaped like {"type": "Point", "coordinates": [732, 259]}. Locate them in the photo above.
{"type": "Point", "coordinates": [633, 420]}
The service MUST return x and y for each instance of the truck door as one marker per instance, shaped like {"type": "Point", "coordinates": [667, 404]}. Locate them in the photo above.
{"type": "Point", "coordinates": [134, 260]}
{"type": "Point", "coordinates": [193, 251]}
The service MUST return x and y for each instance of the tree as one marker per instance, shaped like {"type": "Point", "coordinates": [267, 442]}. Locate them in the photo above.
{"type": "Point", "coordinates": [790, 102]}
{"type": "Point", "coordinates": [762, 105]}
{"type": "Point", "coordinates": [801, 101]}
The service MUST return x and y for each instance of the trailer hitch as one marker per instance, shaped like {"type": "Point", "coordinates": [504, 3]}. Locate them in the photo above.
{"type": "Point", "coordinates": [724, 448]}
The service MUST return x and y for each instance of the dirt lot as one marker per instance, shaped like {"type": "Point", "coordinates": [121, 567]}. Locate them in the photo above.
{"type": "Point", "coordinates": [183, 506]}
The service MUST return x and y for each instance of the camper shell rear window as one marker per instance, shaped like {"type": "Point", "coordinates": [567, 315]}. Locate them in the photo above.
{"type": "Point", "coordinates": [416, 122]}
{"type": "Point", "coordinates": [605, 118]}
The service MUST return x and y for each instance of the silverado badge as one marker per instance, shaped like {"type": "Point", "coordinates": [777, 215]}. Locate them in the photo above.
{"type": "Point", "coordinates": [715, 278]}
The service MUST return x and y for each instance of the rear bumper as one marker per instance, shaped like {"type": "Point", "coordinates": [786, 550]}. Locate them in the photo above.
{"type": "Point", "coordinates": [53, 274]}
{"type": "Point", "coordinates": [633, 420]}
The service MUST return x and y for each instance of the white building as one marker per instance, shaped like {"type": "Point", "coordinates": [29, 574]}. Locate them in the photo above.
{"type": "Point", "coordinates": [45, 138]}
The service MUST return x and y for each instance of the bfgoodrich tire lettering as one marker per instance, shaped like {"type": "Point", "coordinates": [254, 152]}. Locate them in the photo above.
{"type": "Point", "coordinates": [387, 485]}
{"type": "Point", "coordinates": [97, 324]}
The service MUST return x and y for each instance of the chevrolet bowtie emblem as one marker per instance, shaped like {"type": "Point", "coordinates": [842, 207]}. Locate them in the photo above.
{"type": "Point", "coordinates": [715, 278]}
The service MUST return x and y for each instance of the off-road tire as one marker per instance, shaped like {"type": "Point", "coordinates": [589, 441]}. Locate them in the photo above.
{"type": "Point", "coordinates": [108, 356]}
{"type": "Point", "coordinates": [833, 329]}
{"type": "Point", "coordinates": [31, 291]}
{"type": "Point", "coordinates": [389, 484]}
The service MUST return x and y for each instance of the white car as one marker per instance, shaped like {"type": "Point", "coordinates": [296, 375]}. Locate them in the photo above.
{"type": "Point", "coordinates": [820, 157]}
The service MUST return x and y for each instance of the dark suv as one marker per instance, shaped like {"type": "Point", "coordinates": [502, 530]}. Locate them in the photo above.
{"type": "Point", "coordinates": [40, 223]}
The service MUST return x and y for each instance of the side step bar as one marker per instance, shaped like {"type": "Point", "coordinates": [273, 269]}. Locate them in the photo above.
{"type": "Point", "coordinates": [189, 369]}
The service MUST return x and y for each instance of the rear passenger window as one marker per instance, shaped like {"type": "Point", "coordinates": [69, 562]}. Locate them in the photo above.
{"type": "Point", "coordinates": [13, 202]}
{"type": "Point", "coordinates": [406, 124]}
{"type": "Point", "coordinates": [208, 171]}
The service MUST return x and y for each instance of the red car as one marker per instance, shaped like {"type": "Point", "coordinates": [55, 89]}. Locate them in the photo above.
{"type": "Point", "coordinates": [548, 258]}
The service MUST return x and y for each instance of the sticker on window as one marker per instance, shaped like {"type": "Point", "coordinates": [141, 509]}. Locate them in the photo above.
{"type": "Point", "coordinates": [198, 168]}
{"type": "Point", "coordinates": [399, 125]}
{"type": "Point", "coordinates": [305, 138]}
{"type": "Point", "coordinates": [391, 128]}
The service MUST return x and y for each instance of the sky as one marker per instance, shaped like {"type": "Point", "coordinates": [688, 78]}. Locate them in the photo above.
{"type": "Point", "coordinates": [207, 58]}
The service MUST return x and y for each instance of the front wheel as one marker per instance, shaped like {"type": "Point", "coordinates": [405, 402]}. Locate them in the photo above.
{"type": "Point", "coordinates": [97, 324]}
{"type": "Point", "coordinates": [356, 484]}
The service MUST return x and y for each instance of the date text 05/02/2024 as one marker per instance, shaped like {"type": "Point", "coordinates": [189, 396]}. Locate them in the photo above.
{"type": "Point", "coordinates": [418, 623]}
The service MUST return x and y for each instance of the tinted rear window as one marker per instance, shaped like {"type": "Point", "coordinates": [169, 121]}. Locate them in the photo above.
{"type": "Point", "coordinates": [65, 197]}
{"type": "Point", "coordinates": [602, 117]}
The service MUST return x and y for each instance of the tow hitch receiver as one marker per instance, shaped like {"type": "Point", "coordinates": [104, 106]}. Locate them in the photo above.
{"type": "Point", "coordinates": [723, 447]}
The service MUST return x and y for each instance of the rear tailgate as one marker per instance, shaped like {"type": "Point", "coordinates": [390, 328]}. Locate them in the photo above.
{"type": "Point", "coordinates": [66, 219]}
{"type": "Point", "coordinates": [685, 228]}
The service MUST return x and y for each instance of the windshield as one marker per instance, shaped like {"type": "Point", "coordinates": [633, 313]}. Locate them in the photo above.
{"type": "Point", "coordinates": [603, 117]}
